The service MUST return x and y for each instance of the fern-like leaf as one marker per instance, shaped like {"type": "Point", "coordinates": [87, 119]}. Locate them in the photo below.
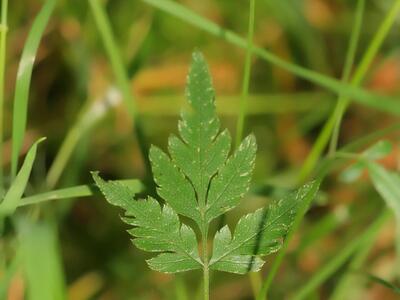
{"type": "Point", "coordinates": [199, 180]}
{"type": "Point", "coordinates": [156, 229]}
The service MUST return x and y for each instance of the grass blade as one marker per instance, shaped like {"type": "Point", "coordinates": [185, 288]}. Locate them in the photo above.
{"type": "Point", "coordinates": [384, 283]}
{"type": "Point", "coordinates": [341, 257]}
{"type": "Point", "coordinates": [383, 103]}
{"type": "Point", "coordinates": [246, 75]}
{"type": "Point", "coordinates": [333, 123]}
{"type": "Point", "coordinates": [323, 138]}
{"type": "Point", "coordinates": [120, 73]}
{"type": "Point", "coordinates": [24, 80]}
{"type": "Point", "coordinates": [87, 119]}
{"type": "Point", "coordinates": [14, 194]}
{"type": "Point", "coordinates": [3, 41]}
{"type": "Point", "coordinates": [346, 286]}
{"type": "Point", "coordinates": [75, 192]}
{"type": "Point", "coordinates": [43, 274]}
{"type": "Point", "coordinates": [282, 252]}
{"type": "Point", "coordinates": [388, 186]}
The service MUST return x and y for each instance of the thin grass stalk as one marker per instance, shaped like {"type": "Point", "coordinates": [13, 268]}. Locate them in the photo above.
{"type": "Point", "coordinates": [341, 257]}
{"type": "Point", "coordinates": [343, 102]}
{"type": "Point", "coordinates": [263, 293]}
{"type": "Point", "coordinates": [122, 78]}
{"type": "Point", "coordinates": [326, 131]}
{"type": "Point", "coordinates": [3, 46]}
{"type": "Point", "coordinates": [363, 68]}
{"type": "Point", "coordinates": [383, 103]}
{"type": "Point", "coordinates": [246, 75]}
{"type": "Point", "coordinates": [24, 75]}
{"type": "Point", "coordinates": [345, 283]}
{"type": "Point", "coordinates": [87, 119]}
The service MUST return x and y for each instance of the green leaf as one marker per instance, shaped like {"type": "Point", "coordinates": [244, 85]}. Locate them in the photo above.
{"type": "Point", "coordinates": [353, 172]}
{"type": "Point", "coordinates": [199, 180]}
{"type": "Point", "coordinates": [387, 184]}
{"type": "Point", "coordinates": [156, 229]}
{"type": "Point", "coordinates": [256, 234]}
{"type": "Point", "coordinates": [173, 186]}
{"type": "Point", "coordinates": [378, 150]}
{"type": "Point", "coordinates": [13, 196]}
{"type": "Point", "coordinates": [233, 180]}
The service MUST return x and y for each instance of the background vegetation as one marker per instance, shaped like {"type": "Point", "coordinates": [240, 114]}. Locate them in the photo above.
{"type": "Point", "coordinates": [315, 80]}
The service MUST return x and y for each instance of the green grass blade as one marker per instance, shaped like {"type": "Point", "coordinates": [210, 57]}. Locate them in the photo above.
{"type": "Point", "coordinates": [75, 192]}
{"type": "Point", "coordinates": [8, 275]}
{"type": "Point", "coordinates": [333, 123]}
{"type": "Point", "coordinates": [347, 283]}
{"type": "Point", "coordinates": [364, 65]}
{"type": "Point", "coordinates": [14, 194]}
{"type": "Point", "coordinates": [86, 120]}
{"type": "Point", "coordinates": [113, 53]}
{"type": "Point", "coordinates": [323, 138]}
{"type": "Point", "coordinates": [340, 257]}
{"type": "Point", "coordinates": [120, 73]}
{"type": "Point", "coordinates": [24, 80]}
{"type": "Point", "coordinates": [388, 186]}
{"type": "Point", "coordinates": [246, 75]}
{"type": "Point", "coordinates": [41, 262]}
{"type": "Point", "coordinates": [3, 41]}
{"type": "Point", "coordinates": [383, 103]}
{"type": "Point", "coordinates": [384, 283]}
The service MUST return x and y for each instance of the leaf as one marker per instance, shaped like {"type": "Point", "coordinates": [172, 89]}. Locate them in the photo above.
{"type": "Point", "coordinates": [13, 196]}
{"type": "Point", "coordinates": [199, 180]}
{"type": "Point", "coordinates": [353, 172]}
{"type": "Point", "coordinates": [173, 186]}
{"type": "Point", "coordinates": [156, 229]}
{"type": "Point", "coordinates": [378, 150]}
{"type": "Point", "coordinates": [387, 184]}
{"type": "Point", "coordinates": [233, 180]}
{"type": "Point", "coordinates": [256, 234]}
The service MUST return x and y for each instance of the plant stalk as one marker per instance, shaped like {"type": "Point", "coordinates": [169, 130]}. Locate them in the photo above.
{"type": "Point", "coordinates": [246, 75]}
{"type": "Point", "coordinates": [3, 44]}
{"type": "Point", "coordinates": [341, 257]}
{"type": "Point", "coordinates": [206, 271]}
{"type": "Point", "coordinates": [332, 126]}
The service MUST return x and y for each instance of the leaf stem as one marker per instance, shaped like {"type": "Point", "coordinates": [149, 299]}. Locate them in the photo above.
{"type": "Point", "coordinates": [3, 43]}
{"type": "Point", "coordinates": [206, 271]}
{"type": "Point", "coordinates": [246, 75]}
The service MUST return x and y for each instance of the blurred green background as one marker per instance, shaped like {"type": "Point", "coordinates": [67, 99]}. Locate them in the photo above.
{"type": "Point", "coordinates": [78, 248]}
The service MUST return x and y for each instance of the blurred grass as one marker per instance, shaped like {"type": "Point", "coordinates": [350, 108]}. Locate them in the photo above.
{"type": "Point", "coordinates": [306, 40]}
{"type": "Point", "coordinates": [23, 81]}
{"type": "Point", "coordinates": [3, 43]}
